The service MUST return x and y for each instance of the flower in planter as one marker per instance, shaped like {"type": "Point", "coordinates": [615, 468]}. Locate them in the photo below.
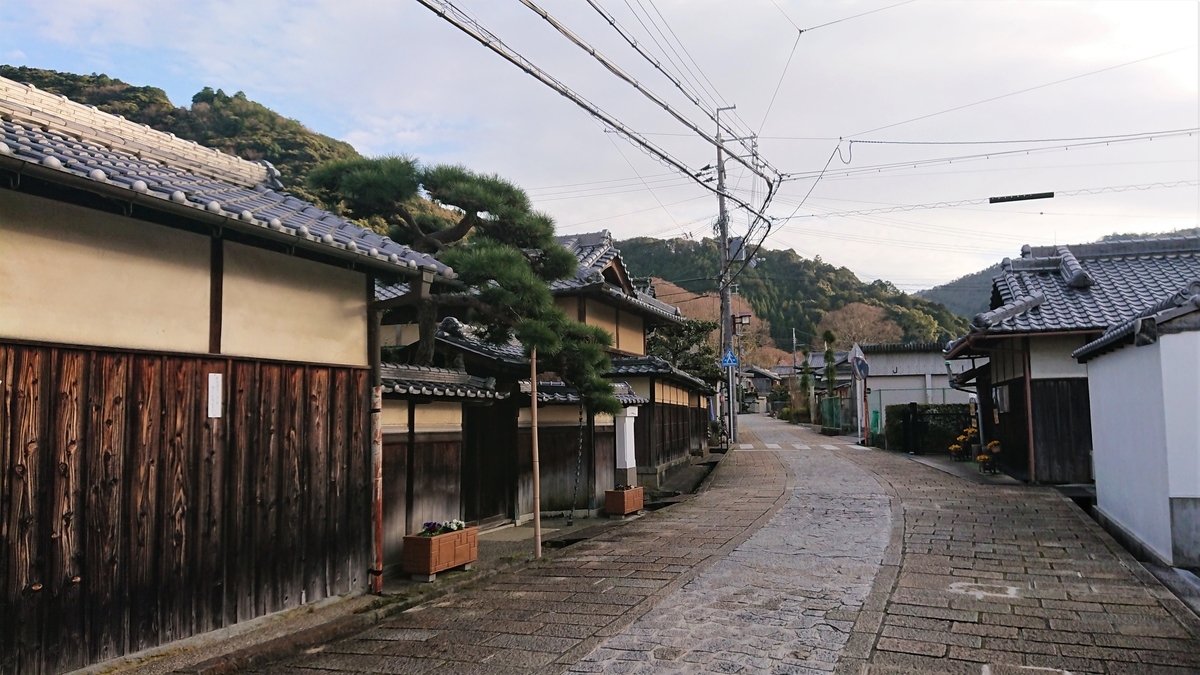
{"type": "Point", "coordinates": [994, 446]}
{"type": "Point", "coordinates": [956, 448]}
{"type": "Point", "coordinates": [434, 528]}
{"type": "Point", "coordinates": [983, 458]}
{"type": "Point", "coordinates": [622, 487]}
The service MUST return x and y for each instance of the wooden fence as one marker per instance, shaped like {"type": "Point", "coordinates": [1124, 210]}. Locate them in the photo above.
{"type": "Point", "coordinates": [130, 519]}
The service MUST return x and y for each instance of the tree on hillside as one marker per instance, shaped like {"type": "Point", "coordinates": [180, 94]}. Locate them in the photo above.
{"type": "Point", "coordinates": [232, 124]}
{"type": "Point", "coordinates": [503, 252]}
{"type": "Point", "coordinates": [861, 323]}
{"type": "Point", "coordinates": [687, 347]}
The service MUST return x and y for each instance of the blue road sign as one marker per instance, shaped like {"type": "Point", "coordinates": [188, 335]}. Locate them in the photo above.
{"type": "Point", "coordinates": [730, 361]}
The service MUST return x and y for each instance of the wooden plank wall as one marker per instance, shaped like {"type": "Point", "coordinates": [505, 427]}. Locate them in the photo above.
{"type": "Point", "coordinates": [1062, 430]}
{"type": "Point", "coordinates": [664, 433]}
{"type": "Point", "coordinates": [130, 519]}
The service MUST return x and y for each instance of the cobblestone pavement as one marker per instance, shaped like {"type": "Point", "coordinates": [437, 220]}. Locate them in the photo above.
{"type": "Point", "coordinates": [546, 616]}
{"type": "Point", "coordinates": [786, 599]}
{"type": "Point", "coordinates": [1008, 580]}
{"type": "Point", "coordinates": [806, 554]}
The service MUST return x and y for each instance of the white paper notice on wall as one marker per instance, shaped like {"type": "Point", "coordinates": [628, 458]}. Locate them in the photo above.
{"type": "Point", "coordinates": [215, 391]}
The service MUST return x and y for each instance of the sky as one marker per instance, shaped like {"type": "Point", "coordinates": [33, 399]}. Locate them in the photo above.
{"type": "Point", "coordinates": [937, 79]}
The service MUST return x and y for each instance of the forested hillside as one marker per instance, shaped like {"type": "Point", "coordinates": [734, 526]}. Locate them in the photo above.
{"type": "Point", "coordinates": [790, 291]}
{"type": "Point", "coordinates": [233, 124]}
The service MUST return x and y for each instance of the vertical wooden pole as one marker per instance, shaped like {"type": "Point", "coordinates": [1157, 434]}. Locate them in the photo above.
{"type": "Point", "coordinates": [377, 485]}
{"type": "Point", "coordinates": [537, 478]}
{"type": "Point", "coordinates": [375, 358]}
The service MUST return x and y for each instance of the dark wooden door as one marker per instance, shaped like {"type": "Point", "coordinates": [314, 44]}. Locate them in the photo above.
{"type": "Point", "coordinates": [489, 462]}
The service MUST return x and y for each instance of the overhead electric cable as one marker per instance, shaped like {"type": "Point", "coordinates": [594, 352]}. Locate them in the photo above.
{"type": "Point", "coordinates": [892, 166]}
{"type": "Point", "coordinates": [616, 70]}
{"type": "Point", "coordinates": [459, 19]}
{"type": "Point", "coordinates": [1022, 91]}
{"type": "Point", "coordinates": [830, 23]}
{"type": "Point", "coordinates": [716, 95]}
{"type": "Point", "coordinates": [974, 202]}
{"type": "Point", "coordinates": [687, 91]}
{"type": "Point", "coordinates": [780, 83]}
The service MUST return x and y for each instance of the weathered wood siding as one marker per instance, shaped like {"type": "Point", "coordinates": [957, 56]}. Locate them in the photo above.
{"type": "Point", "coordinates": [559, 456]}
{"type": "Point", "coordinates": [489, 471]}
{"type": "Point", "coordinates": [130, 519]}
{"type": "Point", "coordinates": [1062, 430]}
{"type": "Point", "coordinates": [665, 433]}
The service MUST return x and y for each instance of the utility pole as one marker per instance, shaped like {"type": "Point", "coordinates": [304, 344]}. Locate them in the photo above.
{"type": "Point", "coordinates": [792, 382]}
{"type": "Point", "coordinates": [726, 299]}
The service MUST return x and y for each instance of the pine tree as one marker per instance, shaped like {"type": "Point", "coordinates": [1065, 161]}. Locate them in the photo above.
{"type": "Point", "coordinates": [503, 252]}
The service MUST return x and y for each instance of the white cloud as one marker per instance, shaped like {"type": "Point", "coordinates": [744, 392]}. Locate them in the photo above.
{"type": "Point", "coordinates": [392, 77]}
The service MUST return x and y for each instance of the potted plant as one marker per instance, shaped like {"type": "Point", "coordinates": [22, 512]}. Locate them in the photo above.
{"type": "Point", "coordinates": [439, 547]}
{"type": "Point", "coordinates": [956, 453]}
{"type": "Point", "coordinates": [623, 500]}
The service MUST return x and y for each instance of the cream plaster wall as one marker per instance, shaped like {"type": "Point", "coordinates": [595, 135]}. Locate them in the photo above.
{"type": "Point", "coordinates": [631, 333]}
{"type": "Point", "coordinates": [601, 316]}
{"type": "Point", "coordinates": [640, 386]}
{"type": "Point", "coordinates": [79, 276]}
{"type": "Point", "coordinates": [1050, 357]}
{"type": "Point", "coordinates": [551, 416]}
{"type": "Point", "coordinates": [394, 416]}
{"type": "Point", "coordinates": [280, 307]}
{"type": "Point", "coordinates": [438, 416]}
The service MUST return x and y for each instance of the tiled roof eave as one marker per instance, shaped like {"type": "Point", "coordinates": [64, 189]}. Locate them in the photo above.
{"type": "Point", "coordinates": [606, 290]}
{"type": "Point", "coordinates": [194, 212]}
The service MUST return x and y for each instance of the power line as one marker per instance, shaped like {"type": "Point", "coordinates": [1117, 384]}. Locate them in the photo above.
{"type": "Point", "coordinates": [780, 83]}
{"type": "Point", "coordinates": [835, 21]}
{"type": "Point", "coordinates": [1109, 137]}
{"type": "Point", "coordinates": [686, 90]}
{"type": "Point", "coordinates": [973, 202]}
{"type": "Point", "coordinates": [1022, 91]}
{"type": "Point", "coordinates": [913, 164]}
{"type": "Point", "coordinates": [464, 22]}
{"type": "Point", "coordinates": [626, 77]}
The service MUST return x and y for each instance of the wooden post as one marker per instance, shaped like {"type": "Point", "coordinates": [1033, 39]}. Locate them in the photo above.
{"type": "Point", "coordinates": [537, 479]}
{"type": "Point", "coordinates": [374, 316]}
{"type": "Point", "coordinates": [377, 485]}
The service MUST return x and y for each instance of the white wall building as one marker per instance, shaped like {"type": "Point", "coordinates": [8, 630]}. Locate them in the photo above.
{"type": "Point", "coordinates": [1144, 382]}
{"type": "Point", "coordinates": [914, 372]}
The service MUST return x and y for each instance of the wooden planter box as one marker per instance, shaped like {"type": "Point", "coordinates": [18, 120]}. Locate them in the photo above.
{"type": "Point", "coordinates": [424, 557]}
{"type": "Point", "coordinates": [623, 502]}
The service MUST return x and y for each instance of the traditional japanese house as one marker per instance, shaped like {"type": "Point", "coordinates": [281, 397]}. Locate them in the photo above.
{"type": "Point", "coordinates": [449, 451]}
{"type": "Point", "coordinates": [675, 423]}
{"type": "Point", "coordinates": [185, 367]}
{"type": "Point", "coordinates": [1146, 445]}
{"type": "Point", "coordinates": [1046, 304]}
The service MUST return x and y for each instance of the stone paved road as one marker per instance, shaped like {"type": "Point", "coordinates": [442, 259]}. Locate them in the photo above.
{"type": "Point", "coordinates": [808, 557]}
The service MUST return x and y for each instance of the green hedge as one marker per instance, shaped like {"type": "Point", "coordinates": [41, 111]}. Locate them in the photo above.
{"type": "Point", "coordinates": [944, 422]}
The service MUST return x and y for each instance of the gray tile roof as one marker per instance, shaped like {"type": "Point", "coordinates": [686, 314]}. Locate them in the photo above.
{"type": "Point", "coordinates": [594, 251]}
{"type": "Point", "coordinates": [406, 380]}
{"type": "Point", "coordinates": [560, 393]}
{"type": "Point", "coordinates": [464, 336]}
{"type": "Point", "coordinates": [902, 347]}
{"type": "Point", "coordinates": [1087, 287]}
{"type": "Point", "coordinates": [653, 365]}
{"type": "Point", "coordinates": [1184, 301]}
{"type": "Point", "coordinates": [67, 142]}
{"type": "Point", "coordinates": [763, 372]}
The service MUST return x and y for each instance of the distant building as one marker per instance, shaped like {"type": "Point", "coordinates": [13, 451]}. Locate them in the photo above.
{"type": "Point", "coordinates": [911, 372]}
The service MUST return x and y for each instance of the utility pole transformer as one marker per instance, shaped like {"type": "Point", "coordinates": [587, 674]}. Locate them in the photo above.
{"type": "Point", "coordinates": [726, 299]}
